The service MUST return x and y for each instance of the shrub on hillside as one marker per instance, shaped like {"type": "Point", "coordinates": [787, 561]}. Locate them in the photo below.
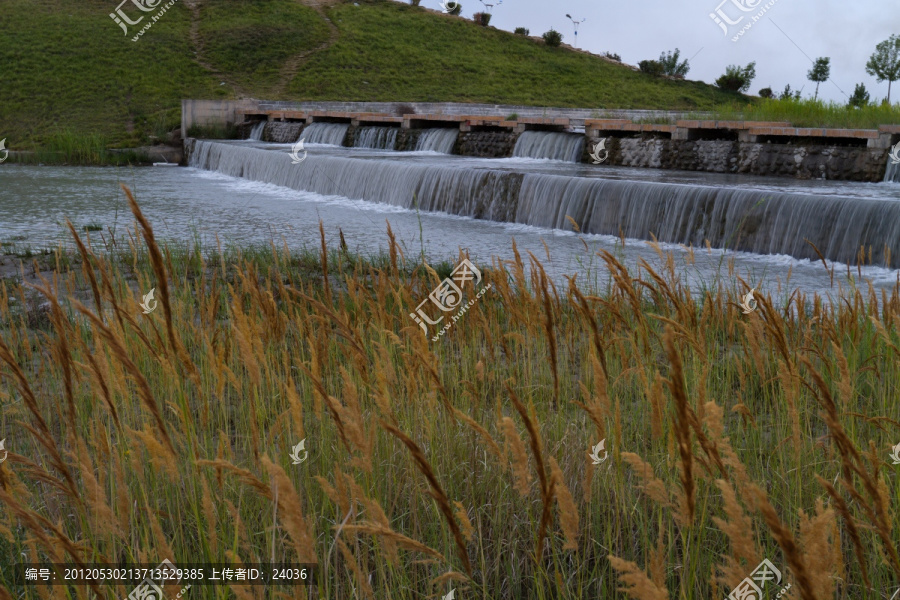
{"type": "Point", "coordinates": [457, 8]}
{"type": "Point", "coordinates": [651, 67]}
{"type": "Point", "coordinates": [787, 94]}
{"type": "Point", "coordinates": [737, 79]}
{"type": "Point", "coordinates": [552, 38]}
{"type": "Point", "coordinates": [766, 92]}
{"type": "Point", "coordinates": [612, 56]}
{"type": "Point", "coordinates": [414, 2]}
{"type": "Point", "coordinates": [482, 18]}
{"type": "Point", "coordinates": [671, 66]}
{"type": "Point", "coordinates": [521, 31]}
{"type": "Point", "coordinates": [860, 97]}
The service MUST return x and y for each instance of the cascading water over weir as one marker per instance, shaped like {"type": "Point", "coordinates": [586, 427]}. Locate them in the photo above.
{"type": "Point", "coordinates": [377, 138]}
{"type": "Point", "coordinates": [892, 173]}
{"type": "Point", "coordinates": [552, 145]}
{"type": "Point", "coordinates": [761, 222]}
{"type": "Point", "coordinates": [437, 140]}
{"type": "Point", "coordinates": [256, 134]}
{"type": "Point", "coordinates": [325, 133]}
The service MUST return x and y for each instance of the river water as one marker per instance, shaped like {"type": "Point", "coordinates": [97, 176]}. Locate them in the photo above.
{"type": "Point", "coordinates": [246, 199]}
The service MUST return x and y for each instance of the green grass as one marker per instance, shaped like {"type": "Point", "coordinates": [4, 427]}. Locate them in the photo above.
{"type": "Point", "coordinates": [250, 41]}
{"type": "Point", "coordinates": [809, 113]}
{"type": "Point", "coordinates": [67, 65]}
{"type": "Point", "coordinates": [69, 147]}
{"type": "Point", "coordinates": [392, 51]}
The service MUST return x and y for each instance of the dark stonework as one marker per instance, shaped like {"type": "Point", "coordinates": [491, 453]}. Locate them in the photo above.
{"type": "Point", "coordinates": [283, 132]}
{"type": "Point", "coordinates": [486, 144]}
{"type": "Point", "coordinates": [809, 161]}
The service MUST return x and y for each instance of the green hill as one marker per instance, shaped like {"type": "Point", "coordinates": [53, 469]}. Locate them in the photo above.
{"type": "Point", "coordinates": [67, 66]}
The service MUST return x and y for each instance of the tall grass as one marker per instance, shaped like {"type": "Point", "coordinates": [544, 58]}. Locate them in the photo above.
{"type": "Point", "coordinates": [809, 113]}
{"type": "Point", "coordinates": [70, 147]}
{"type": "Point", "coordinates": [458, 464]}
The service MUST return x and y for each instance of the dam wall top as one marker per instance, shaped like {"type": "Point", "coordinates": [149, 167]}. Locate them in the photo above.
{"type": "Point", "coordinates": [221, 112]}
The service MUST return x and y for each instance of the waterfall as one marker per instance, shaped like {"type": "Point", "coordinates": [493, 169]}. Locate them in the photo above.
{"type": "Point", "coordinates": [550, 144]}
{"type": "Point", "coordinates": [892, 173]}
{"type": "Point", "coordinates": [736, 218]}
{"type": "Point", "coordinates": [325, 133]}
{"type": "Point", "coordinates": [257, 132]}
{"type": "Point", "coordinates": [437, 140]}
{"type": "Point", "coordinates": [376, 137]}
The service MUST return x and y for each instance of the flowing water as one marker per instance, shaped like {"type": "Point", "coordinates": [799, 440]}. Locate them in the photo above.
{"type": "Point", "coordinates": [437, 140]}
{"type": "Point", "coordinates": [377, 138]}
{"type": "Point", "coordinates": [257, 132]}
{"type": "Point", "coordinates": [246, 192]}
{"type": "Point", "coordinates": [325, 133]}
{"type": "Point", "coordinates": [784, 220]}
{"type": "Point", "coordinates": [549, 145]}
{"type": "Point", "coordinates": [892, 173]}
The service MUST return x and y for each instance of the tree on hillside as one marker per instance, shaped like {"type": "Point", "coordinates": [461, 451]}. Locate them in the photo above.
{"type": "Point", "coordinates": [737, 79]}
{"type": "Point", "coordinates": [671, 66]}
{"type": "Point", "coordinates": [820, 72]}
{"type": "Point", "coordinates": [885, 62]}
{"type": "Point", "coordinates": [787, 94]}
{"type": "Point", "coordinates": [552, 37]}
{"type": "Point", "coordinates": [860, 97]}
{"type": "Point", "coordinates": [766, 92]}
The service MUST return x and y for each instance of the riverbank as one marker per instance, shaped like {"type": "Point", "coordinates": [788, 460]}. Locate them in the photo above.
{"type": "Point", "coordinates": [72, 148]}
{"type": "Point", "coordinates": [723, 428]}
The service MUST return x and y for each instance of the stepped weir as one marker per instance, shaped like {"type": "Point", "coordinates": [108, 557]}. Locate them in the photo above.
{"type": "Point", "coordinates": [726, 216]}
{"type": "Point", "coordinates": [739, 147]}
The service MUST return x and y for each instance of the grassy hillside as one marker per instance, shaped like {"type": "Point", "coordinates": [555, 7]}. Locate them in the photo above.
{"type": "Point", "coordinates": [66, 66]}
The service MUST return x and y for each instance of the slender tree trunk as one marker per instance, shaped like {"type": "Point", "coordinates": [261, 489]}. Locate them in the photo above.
{"type": "Point", "coordinates": [889, 91]}
{"type": "Point", "coordinates": [817, 92]}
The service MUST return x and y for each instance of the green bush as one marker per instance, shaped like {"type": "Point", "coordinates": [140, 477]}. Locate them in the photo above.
{"type": "Point", "coordinates": [457, 8]}
{"type": "Point", "coordinates": [651, 67]}
{"type": "Point", "coordinates": [737, 79]}
{"type": "Point", "coordinates": [521, 31]}
{"type": "Point", "coordinates": [766, 92]}
{"type": "Point", "coordinates": [482, 18]}
{"type": "Point", "coordinates": [552, 38]}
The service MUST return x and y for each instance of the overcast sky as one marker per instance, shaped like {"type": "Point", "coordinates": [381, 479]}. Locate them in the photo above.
{"type": "Point", "coordinates": [845, 31]}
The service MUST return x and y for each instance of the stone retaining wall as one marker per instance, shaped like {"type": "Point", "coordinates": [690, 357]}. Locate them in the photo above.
{"type": "Point", "coordinates": [486, 144]}
{"type": "Point", "coordinates": [282, 132]}
{"type": "Point", "coordinates": [809, 161]}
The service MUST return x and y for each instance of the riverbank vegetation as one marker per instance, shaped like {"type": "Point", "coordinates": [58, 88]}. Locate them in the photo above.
{"type": "Point", "coordinates": [810, 113]}
{"type": "Point", "coordinates": [799, 113]}
{"type": "Point", "coordinates": [72, 148]}
{"type": "Point", "coordinates": [461, 464]}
